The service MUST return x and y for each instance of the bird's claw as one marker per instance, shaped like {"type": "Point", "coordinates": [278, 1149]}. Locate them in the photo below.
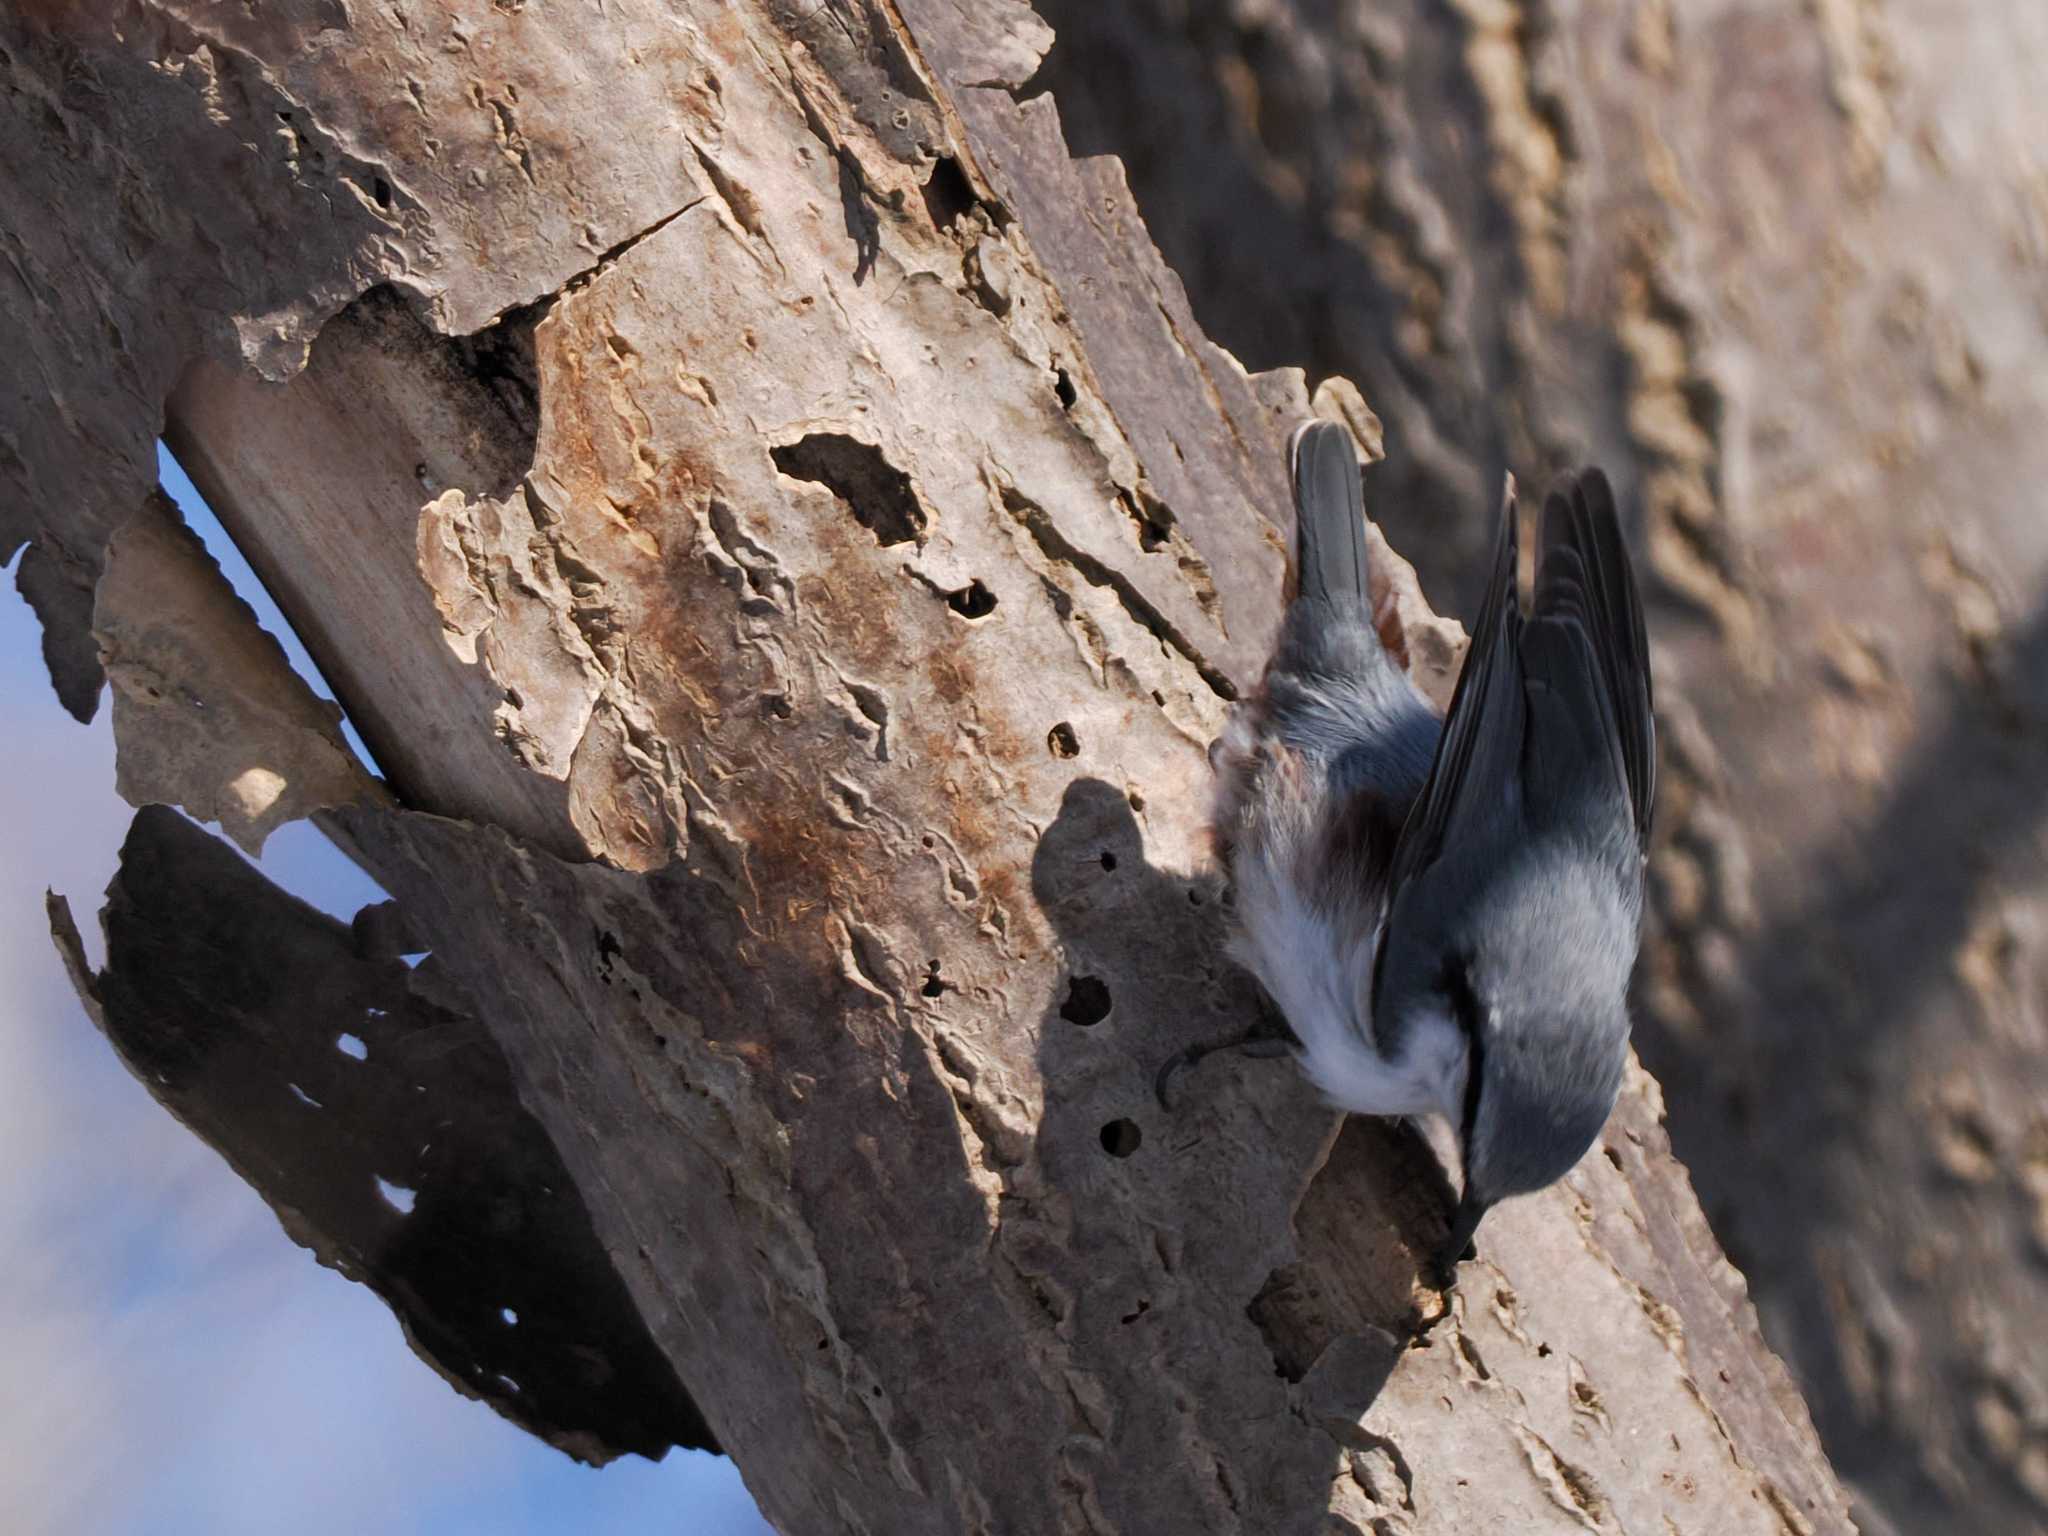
{"type": "Point", "coordinates": [1163, 1078]}
{"type": "Point", "coordinates": [1258, 1045]}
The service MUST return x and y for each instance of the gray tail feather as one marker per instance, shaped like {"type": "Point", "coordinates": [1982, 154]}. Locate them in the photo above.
{"type": "Point", "coordinates": [1329, 515]}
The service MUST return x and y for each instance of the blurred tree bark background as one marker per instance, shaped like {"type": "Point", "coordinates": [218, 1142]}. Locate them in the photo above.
{"type": "Point", "coordinates": [1782, 265]}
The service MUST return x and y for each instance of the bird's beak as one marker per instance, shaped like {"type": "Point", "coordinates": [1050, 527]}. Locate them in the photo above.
{"type": "Point", "coordinates": [1464, 1223]}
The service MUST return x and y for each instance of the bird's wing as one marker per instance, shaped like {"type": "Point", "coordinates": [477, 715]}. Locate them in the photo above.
{"type": "Point", "coordinates": [1586, 660]}
{"type": "Point", "coordinates": [1478, 754]}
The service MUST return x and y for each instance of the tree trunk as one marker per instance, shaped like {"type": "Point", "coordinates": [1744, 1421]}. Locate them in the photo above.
{"type": "Point", "coordinates": [787, 544]}
{"type": "Point", "coordinates": [1779, 266]}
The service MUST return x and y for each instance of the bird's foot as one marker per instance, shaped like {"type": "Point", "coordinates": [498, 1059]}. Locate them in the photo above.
{"type": "Point", "coordinates": [1259, 1044]}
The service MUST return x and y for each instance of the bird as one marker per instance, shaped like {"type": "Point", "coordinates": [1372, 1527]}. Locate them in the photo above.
{"type": "Point", "coordinates": [1447, 910]}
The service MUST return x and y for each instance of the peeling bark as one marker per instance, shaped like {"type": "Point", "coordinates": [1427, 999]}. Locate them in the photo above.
{"type": "Point", "coordinates": [208, 714]}
{"type": "Point", "coordinates": [384, 1127]}
{"type": "Point", "coordinates": [790, 601]}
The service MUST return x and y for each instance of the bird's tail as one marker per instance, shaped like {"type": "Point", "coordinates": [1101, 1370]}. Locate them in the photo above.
{"type": "Point", "coordinates": [1329, 515]}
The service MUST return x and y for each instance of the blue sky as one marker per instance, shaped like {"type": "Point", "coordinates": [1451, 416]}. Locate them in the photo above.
{"type": "Point", "coordinates": [174, 1362]}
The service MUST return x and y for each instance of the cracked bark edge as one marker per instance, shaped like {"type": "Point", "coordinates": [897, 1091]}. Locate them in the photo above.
{"type": "Point", "coordinates": [374, 139]}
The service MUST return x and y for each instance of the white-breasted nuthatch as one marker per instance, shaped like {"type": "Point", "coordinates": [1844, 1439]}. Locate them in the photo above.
{"type": "Point", "coordinates": [1447, 912]}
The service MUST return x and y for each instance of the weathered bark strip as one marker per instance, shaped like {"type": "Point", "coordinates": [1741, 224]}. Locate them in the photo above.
{"type": "Point", "coordinates": [207, 711]}
{"type": "Point", "coordinates": [800, 718]}
{"type": "Point", "coordinates": [1779, 266]}
{"type": "Point", "coordinates": [326, 1075]}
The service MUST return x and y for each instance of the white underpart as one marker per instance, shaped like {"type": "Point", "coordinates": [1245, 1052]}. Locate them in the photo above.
{"type": "Point", "coordinates": [1319, 973]}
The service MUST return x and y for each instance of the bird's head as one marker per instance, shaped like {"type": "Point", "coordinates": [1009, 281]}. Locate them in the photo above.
{"type": "Point", "coordinates": [1527, 969]}
{"type": "Point", "coordinates": [1545, 1053]}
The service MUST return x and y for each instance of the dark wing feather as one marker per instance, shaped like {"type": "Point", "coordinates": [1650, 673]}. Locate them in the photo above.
{"type": "Point", "coordinates": [1587, 641]}
{"type": "Point", "coordinates": [1482, 734]}
{"type": "Point", "coordinates": [1329, 514]}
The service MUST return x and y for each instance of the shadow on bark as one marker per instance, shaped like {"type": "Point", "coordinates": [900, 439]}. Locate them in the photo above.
{"type": "Point", "coordinates": [1338, 1315]}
